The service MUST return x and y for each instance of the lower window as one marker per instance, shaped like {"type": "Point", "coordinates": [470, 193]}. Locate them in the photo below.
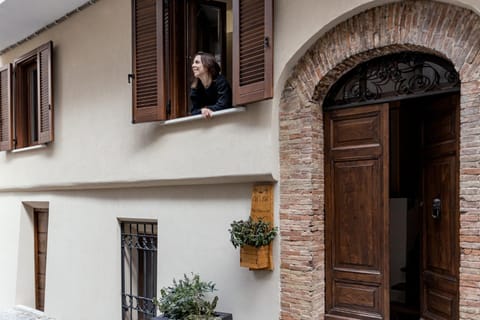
{"type": "Point", "coordinates": [139, 270]}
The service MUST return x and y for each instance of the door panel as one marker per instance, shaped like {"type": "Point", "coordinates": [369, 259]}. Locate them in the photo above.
{"type": "Point", "coordinates": [356, 176]}
{"type": "Point", "coordinates": [358, 182]}
{"type": "Point", "coordinates": [440, 244]}
{"type": "Point", "coordinates": [41, 235]}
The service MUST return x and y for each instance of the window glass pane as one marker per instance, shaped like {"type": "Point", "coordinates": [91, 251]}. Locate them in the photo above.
{"type": "Point", "coordinates": [207, 32]}
{"type": "Point", "coordinates": [211, 31]}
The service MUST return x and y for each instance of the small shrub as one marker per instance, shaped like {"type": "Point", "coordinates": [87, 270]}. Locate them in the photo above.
{"type": "Point", "coordinates": [186, 299]}
{"type": "Point", "coordinates": [254, 233]}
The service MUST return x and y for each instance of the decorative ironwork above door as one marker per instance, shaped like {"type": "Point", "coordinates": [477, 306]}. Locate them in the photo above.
{"type": "Point", "coordinates": [393, 77]}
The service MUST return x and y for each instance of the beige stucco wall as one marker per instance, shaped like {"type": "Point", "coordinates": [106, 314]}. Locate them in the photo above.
{"type": "Point", "coordinates": [83, 253]}
{"type": "Point", "coordinates": [96, 145]}
{"type": "Point", "coordinates": [95, 141]}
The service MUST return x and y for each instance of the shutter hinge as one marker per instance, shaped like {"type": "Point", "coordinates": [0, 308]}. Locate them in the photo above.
{"type": "Point", "coordinates": [131, 76]}
{"type": "Point", "coordinates": [169, 108]}
{"type": "Point", "coordinates": [266, 42]}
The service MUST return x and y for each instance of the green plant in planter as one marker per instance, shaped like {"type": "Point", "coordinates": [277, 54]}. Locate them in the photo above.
{"type": "Point", "coordinates": [253, 233]}
{"type": "Point", "coordinates": [187, 299]}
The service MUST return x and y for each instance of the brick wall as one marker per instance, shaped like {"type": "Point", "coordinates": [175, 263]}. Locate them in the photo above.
{"type": "Point", "coordinates": [424, 26]}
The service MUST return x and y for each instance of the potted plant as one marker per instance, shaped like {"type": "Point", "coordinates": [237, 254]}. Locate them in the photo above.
{"type": "Point", "coordinates": [188, 299]}
{"type": "Point", "coordinates": [254, 238]}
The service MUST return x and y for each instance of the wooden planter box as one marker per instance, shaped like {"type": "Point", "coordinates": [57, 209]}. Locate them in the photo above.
{"type": "Point", "coordinates": [219, 315]}
{"type": "Point", "coordinates": [255, 258]}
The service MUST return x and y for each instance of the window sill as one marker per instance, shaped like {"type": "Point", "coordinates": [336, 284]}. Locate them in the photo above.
{"type": "Point", "coordinates": [200, 117]}
{"type": "Point", "coordinates": [38, 146]}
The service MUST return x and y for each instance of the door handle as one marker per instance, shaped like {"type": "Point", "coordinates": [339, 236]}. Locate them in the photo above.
{"type": "Point", "coordinates": [436, 208]}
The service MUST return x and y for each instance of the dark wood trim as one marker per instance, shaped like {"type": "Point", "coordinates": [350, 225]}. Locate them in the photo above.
{"type": "Point", "coordinates": [178, 92]}
{"type": "Point", "coordinates": [37, 61]}
{"type": "Point", "coordinates": [149, 67]}
{"type": "Point", "coordinates": [40, 242]}
{"type": "Point", "coordinates": [45, 103]}
{"type": "Point", "coordinates": [245, 92]}
{"type": "Point", "coordinates": [356, 224]}
{"type": "Point", "coordinates": [440, 236]}
{"type": "Point", "coordinates": [21, 102]}
{"type": "Point", "coordinates": [6, 107]}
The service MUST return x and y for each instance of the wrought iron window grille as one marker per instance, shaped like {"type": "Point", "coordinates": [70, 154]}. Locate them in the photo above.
{"type": "Point", "coordinates": [393, 77]}
{"type": "Point", "coordinates": [139, 270]}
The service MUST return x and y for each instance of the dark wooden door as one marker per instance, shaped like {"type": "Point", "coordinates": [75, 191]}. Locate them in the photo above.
{"type": "Point", "coordinates": [357, 257]}
{"type": "Point", "coordinates": [440, 245]}
{"type": "Point", "coordinates": [41, 236]}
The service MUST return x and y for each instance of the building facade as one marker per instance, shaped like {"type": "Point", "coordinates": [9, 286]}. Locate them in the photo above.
{"type": "Point", "coordinates": [339, 169]}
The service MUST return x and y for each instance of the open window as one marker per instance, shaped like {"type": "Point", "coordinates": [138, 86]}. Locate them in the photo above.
{"type": "Point", "coordinates": [167, 34]}
{"type": "Point", "coordinates": [26, 106]}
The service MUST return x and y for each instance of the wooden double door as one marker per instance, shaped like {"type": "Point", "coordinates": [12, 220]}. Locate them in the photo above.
{"type": "Point", "coordinates": [357, 177]}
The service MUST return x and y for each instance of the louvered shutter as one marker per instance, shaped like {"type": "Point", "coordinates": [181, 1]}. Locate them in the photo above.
{"type": "Point", "coordinates": [149, 96]}
{"type": "Point", "coordinates": [252, 50]}
{"type": "Point", "coordinates": [6, 141]}
{"type": "Point", "coordinates": [45, 93]}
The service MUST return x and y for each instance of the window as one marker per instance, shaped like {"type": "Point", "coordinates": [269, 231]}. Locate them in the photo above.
{"type": "Point", "coordinates": [139, 270]}
{"type": "Point", "coordinates": [41, 236]}
{"type": "Point", "coordinates": [26, 106]}
{"type": "Point", "coordinates": [166, 35]}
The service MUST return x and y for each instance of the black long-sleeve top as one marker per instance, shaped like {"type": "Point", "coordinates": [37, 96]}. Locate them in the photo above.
{"type": "Point", "coordinates": [217, 96]}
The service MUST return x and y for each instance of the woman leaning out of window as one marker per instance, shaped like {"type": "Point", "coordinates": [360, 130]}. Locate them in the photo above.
{"type": "Point", "coordinates": [210, 91]}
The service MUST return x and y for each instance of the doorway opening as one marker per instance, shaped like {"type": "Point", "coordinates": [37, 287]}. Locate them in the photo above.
{"type": "Point", "coordinates": [391, 190]}
{"type": "Point", "coordinates": [405, 211]}
{"type": "Point", "coordinates": [423, 133]}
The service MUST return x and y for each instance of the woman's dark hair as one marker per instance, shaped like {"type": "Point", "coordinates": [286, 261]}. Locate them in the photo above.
{"type": "Point", "coordinates": [210, 63]}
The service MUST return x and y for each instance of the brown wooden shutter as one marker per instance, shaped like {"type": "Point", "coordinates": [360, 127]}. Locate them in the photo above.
{"type": "Point", "coordinates": [45, 93]}
{"type": "Point", "coordinates": [252, 51]}
{"type": "Point", "coordinates": [149, 89]}
{"type": "Point", "coordinates": [6, 141]}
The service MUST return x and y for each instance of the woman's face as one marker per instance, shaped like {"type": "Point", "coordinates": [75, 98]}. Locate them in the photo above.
{"type": "Point", "coordinates": [197, 67]}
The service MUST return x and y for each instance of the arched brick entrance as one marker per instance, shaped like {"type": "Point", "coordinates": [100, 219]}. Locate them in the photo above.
{"type": "Point", "coordinates": [425, 26]}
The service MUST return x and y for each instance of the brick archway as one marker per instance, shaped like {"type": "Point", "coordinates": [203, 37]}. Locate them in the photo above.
{"type": "Point", "coordinates": [425, 26]}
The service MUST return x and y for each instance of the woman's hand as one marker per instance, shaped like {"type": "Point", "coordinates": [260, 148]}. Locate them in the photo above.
{"type": "Point", "coordinates": [207, 113]}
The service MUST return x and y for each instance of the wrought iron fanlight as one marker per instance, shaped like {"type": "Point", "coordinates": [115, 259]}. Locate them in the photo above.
{"type": "Point", "coordinates": [393, 77]}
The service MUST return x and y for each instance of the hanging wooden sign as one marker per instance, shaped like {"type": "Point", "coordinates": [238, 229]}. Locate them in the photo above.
{"type": "Point", "coordinates": [262, 208]}
{"type": "Point", "coordinates": [262, 203]}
